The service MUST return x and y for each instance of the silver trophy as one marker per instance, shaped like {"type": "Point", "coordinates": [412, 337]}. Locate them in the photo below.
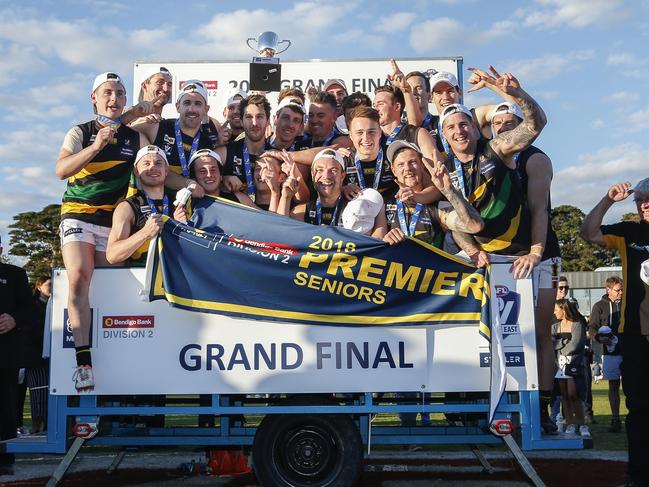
{"type": "Point", "coordinates": [267, 44]}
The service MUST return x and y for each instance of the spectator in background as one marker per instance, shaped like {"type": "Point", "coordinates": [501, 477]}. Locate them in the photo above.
{"type": "Point", "coordinates": [15, 313]}
{"type": "Point", "coordinates": [603, 326]}
{"type": "Point", "coordinates": [563, 289]}
{"type": "Point", "coordinates": [631, 240]}
{"type": "Point", "coordinates": [569, 334]}
{"type": "Point", "coordinates": [37, 367]}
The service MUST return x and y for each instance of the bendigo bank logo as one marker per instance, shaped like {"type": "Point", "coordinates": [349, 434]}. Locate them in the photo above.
{"type": "Point", "coordinates": [147, 321]}
{"type": "Point", "coordinates": [268, 247]}
{"type": "Point", "coordinates": [509, 304]}
{"type": "Point", "coordinates": [68, 338]}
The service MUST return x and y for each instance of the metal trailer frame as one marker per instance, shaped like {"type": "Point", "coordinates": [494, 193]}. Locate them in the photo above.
{"type": "Point", "coordinates": [523, 406]}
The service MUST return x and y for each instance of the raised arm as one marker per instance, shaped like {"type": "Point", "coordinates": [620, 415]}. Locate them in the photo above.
{"type": "Point", "coordinates": [590, 229]}
{"type": "Point", "coordinates": [142, 109]}
{"type": "Point", "coordinates": [508, 143]}
{"type": "Point", "coordinates": [412, 107]}
{"type": "Point", "coordinates": [463, 217]}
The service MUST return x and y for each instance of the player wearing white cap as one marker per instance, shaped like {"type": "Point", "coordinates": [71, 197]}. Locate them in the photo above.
{"type": "Point", "coordinates": [338, 89]}
{"type": "Point", "coordinates": [328, 205]}
{"type": "Point", "coordinates": [205, 167]}
{"type": "Point", "coordinates": [180, 137]}
{"type": "Point", "coordinates": [96, 158]}
{"type": "Point", "coordinates": [534, 168]}
{"type": "Point", "coordinates": [156, 88]}
{"type": "Point", "coordinates": [485, 172]}
{"type": "Point", "coordinates": [138, 218]}
{"type": "Point", "coordinates": [232, 113]}
{"type": "Point", "coordinates": [427, 223]}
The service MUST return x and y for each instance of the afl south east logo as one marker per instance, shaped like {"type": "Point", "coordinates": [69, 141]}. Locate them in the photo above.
{"type": "Point", "coordinates": [508, 309]}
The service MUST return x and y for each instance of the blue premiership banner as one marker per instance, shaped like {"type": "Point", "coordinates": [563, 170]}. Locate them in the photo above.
{"type": "Point", "coordinates": [242, 262]}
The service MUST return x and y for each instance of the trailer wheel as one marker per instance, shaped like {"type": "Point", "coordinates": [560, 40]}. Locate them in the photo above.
{"type": "Point", "coordinates": [307, 450]}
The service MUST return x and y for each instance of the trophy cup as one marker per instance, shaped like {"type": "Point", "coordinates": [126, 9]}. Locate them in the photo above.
{"type": "Point", "coordinates": [267, 44]}
{"type": "Point", "coordinates": [265, 70]}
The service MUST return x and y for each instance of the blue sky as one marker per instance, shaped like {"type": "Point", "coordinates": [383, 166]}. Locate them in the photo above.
{"type": "Point", "coordinates": [585, 61]}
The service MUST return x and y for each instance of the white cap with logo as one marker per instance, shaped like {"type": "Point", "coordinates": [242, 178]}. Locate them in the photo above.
{"type": "Point", "coordinates": [232, 94]}
{"type": "Point", "coordinates": [443, 77]}
{"type": "Point", "coordinates": [332, 82]}
{"type": "Point", "coordinates": [290, 102]}
{"type": "Point", "coordinates": [105, 77]}
{"type": "Point", "coordinates": [153, 70]}
{"type": "Point", "coordinates": [330, 154]}
{"type": "Point", "coordinates": [401, 144]}
{"type": "Point", "coordinates": [359, 214]}
{"type": "Point", "coordinates": [452, 110]}
{"type": "Point", "coordinates": [150, 149]}
{"type": "Point", "coordinates": [505, 108]}
{"type": "Point", "coordinates": [192, 86]}
{"type": "Point", "coordinates": [205, 152]}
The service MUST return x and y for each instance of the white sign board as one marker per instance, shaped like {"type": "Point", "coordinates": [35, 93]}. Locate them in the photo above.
{"type": "Point", "coordinates": [221, 77]}
{"type": "Point", "coordinates": [151, 348]}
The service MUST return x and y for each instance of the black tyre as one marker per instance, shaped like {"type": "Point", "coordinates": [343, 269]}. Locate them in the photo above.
{"type": "Point", "coordinates": [307, 450]}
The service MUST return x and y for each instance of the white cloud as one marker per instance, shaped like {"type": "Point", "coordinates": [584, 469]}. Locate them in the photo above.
{"type": "Point", "coordinates": [310, 23]}
{"type": "Point", "coordinates": [448, 33]}
{"type": "Point", "coordinates": [534, 70]}
{"type": "Point", "coordinates": [87, 42]}
{"type": "Point", "coordinates": [639, 73]}
{"type": "Point", "coordinates": [598, 123]}
{"type": "Point", "coordinates": [38, 144]}
{"type": "Point", "coordinates": [624, 59]}
{"type": "Point", "coordinates": [623, 97]}
{"type": "Point", "coordinates": [80, 42]}
{"type": "Point", "coordinates": [436, 34]}
{"type": "Point", "coordinates": [639, 119]}
{"type": "Point", "coordinates": [585, 182]}
{"type": "Point", "coordinates": [573, 13]}
{"type": "Point", "coordinates": [57, 99]}
{"type": "Point", "coordinates": [357, 36]}
{"type": "Point", "coordinates": [16, 60]}
{"type": "Point", "coordinates": [395, 22]}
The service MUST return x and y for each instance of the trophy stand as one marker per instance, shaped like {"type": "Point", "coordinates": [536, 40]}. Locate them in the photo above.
{"type": "Point", "coordinates": [265, 69]}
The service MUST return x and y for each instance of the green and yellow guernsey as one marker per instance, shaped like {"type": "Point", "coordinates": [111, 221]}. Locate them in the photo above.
{"type": "Point", "coordinates": [93, 193]}
{"type": "Point", "coordinates": [496, 191]}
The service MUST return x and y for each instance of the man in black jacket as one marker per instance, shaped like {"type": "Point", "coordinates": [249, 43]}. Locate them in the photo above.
{"type": "Point", "coordinates": [603, 326]}
{"type": "Point", "coordinates": [15, 306]}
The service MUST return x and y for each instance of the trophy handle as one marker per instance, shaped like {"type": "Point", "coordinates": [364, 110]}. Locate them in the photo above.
{"type": "Point", "coordinates": [287, 46]}
{"type": "Point", "coordinates": [248, 42]}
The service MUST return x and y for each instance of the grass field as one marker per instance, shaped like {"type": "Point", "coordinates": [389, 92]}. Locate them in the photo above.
{"type": "Point", "coordinates": [602, 438]}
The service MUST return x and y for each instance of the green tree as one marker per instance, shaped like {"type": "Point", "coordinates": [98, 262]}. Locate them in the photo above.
{"type": "Point", "coordinates": [631, 217]}
{"type": "Point", "coordinates": [576, 253]}
{"type": "Point", "coordinates": [35, 235]}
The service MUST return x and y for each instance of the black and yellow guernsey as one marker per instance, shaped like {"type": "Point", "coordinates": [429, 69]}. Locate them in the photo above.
{"type": "Point", "coordinates": [427, 227]}
{"type": "Point", "coordinates": [166, 140]}
{"type": "Point", "coordinates": [93, 193]}
{"type": "Point", "coordinates": [631, 240]}
{"type": "Point", "coordinates": [497, 193]}
{"type": "Point", "coordinates": [141, 212]}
